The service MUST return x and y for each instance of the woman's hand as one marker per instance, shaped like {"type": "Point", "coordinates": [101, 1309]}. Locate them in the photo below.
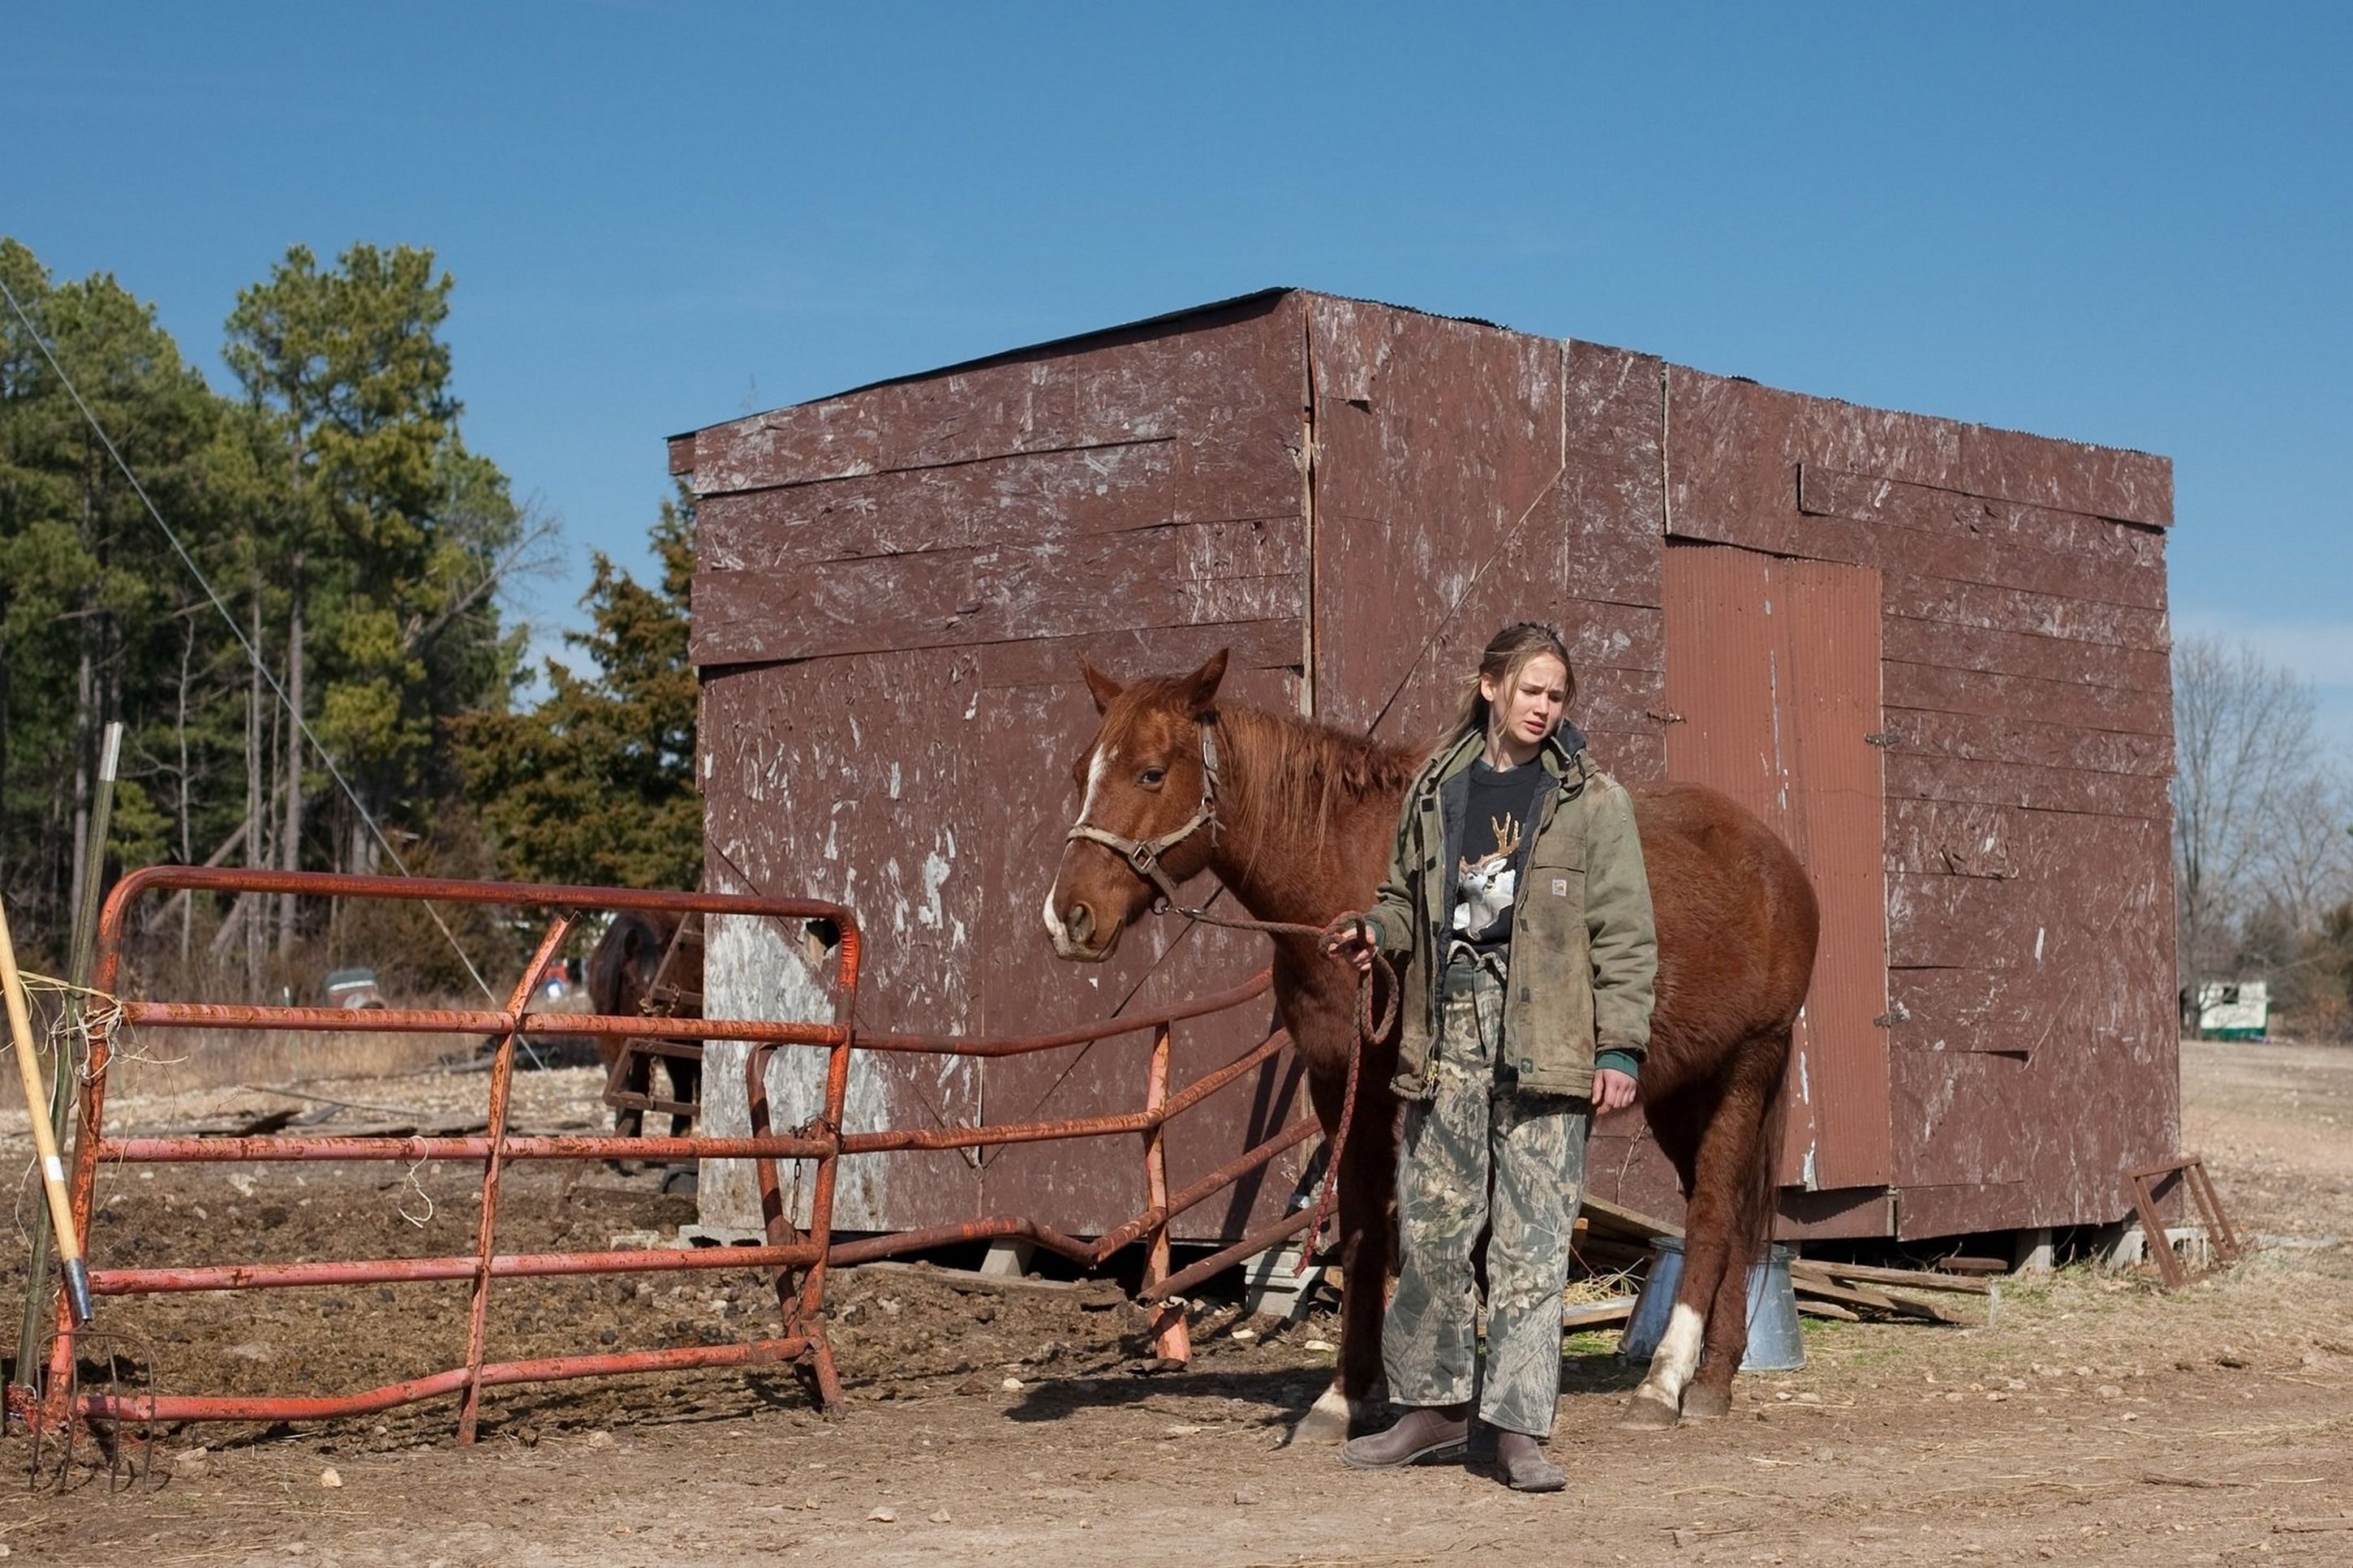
{"type": "Point", "coordinates": [1612, 1090]}
{"type": "Point", "coordinates": [1350, 937]}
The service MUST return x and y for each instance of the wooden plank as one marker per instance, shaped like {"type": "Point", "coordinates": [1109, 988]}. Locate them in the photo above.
{"type": "Point", "coordinates": [1910, 1279]}
{"type": "Point", "coordinates": [1227, 377]}
{"type": "Point", "coordinates": [1954, 647]}
{"type": "Point", "coordinates": [1873, 1300]}
{"type": "Point", "coordinates": [2052, 700]}
{"type": "Point", "coordinates": [1971, 838]}
{"type": "Point", "coordinates": [2022, 784]}
{"type": "Point", "coordinates": [1942, 1009]}
{"type": "Point", "coordinates": [2066, 476]}
{"type": "Point", "coordinates": [1988, 737]}
{"type": "Point", "coordinates": [1129, 654]}
{"type": "Point", "coordinates": [1180, 575]}
{"type": "Point", "coordinates": [1581, 1316]}
{"type": "Point", "coordinates": [1609, 1216]}
{"type": "Point", "coordinates": [2130, 551]}
{"type": "Point", "coordinates": [2045, 615]}
{"type": "Point", "coordinates": [1734, 448]}
{"type": "Point", "coordinates": [1014, 499]}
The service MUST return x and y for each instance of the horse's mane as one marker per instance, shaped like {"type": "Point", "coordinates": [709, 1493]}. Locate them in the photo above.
{"type": "Point", "coordinates": [1289, 770]}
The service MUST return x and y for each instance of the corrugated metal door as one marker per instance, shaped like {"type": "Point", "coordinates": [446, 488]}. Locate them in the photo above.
{"type": "Point", "coordinates": [1773, 668]}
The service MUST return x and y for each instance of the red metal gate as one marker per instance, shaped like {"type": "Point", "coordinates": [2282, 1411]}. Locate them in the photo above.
{"type": "Point", "coordinates": [800, 1260]}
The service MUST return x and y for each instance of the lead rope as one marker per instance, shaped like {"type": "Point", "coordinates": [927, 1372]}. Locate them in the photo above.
{"type": "Point", "coordinates": [1371, 1025]}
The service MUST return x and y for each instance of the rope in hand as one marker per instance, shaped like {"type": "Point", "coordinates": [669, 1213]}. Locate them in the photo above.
{"type": "Point", "coordinates": [1373, 1023]}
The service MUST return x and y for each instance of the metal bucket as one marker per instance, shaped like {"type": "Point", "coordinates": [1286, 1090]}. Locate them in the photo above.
{"type": "Point", "coordinates": [1774, 1343]}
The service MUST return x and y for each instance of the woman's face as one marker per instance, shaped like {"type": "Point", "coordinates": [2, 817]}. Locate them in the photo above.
{"type": "Point", "coordinates": [1531, 708]}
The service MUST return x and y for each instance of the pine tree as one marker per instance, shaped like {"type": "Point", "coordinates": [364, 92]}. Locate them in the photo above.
{"type": "Point", "coordinates": [595, 783]}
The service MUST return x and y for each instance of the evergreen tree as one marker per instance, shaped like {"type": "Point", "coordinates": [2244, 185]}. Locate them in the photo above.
{"type": "Point", "coordinates": [596, 781]}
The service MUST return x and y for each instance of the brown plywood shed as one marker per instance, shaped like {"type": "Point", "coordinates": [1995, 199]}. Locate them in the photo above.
{"type": "Point", "coordinates": [1932, 655]}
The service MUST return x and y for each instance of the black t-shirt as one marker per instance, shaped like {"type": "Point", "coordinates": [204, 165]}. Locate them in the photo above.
{"type": "Point", "coordinates": [1498, 820]}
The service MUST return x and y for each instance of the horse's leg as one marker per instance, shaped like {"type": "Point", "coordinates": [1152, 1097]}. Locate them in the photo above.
{"type": "Point", "coordinates": [1367, 1181]}
{"type": "Point", "coordinates": [685, 1086]}
{"type": "Point", "coordinates": [1725, 1180]}
{"type": "Point", "coordinates": [1657, 1401]}
{"type": "Point", "coordinates": [1748, 1107]}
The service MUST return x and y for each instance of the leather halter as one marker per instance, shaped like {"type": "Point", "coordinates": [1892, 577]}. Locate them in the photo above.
{"type": "Point", "coordinates": [1143, 855]}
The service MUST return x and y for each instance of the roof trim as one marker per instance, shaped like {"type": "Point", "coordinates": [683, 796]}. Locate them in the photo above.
{"type": "Point", "coordinates": [1240, 306]}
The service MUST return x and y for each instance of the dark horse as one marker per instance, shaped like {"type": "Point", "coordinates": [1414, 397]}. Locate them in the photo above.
{"type": "Point", "coordinates": [1297, 820]}
{"type": "Point", "coordinates": [622, 970]}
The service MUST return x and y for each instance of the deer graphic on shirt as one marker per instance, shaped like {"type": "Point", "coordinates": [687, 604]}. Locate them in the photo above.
{"type": "Point", "coordinates": [1484, 888]}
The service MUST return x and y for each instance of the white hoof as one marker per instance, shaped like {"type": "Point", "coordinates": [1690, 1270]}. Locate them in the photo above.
{"type": "Point", "coordinates": [1327, 1421]}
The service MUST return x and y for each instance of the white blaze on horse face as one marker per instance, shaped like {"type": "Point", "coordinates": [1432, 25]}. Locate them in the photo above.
{"type": "Point", "coordinates": [1098, 769]}
{"type": "Point", "coordinates": [1678, 1353]}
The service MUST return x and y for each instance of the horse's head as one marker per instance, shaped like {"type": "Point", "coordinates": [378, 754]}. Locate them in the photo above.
{"type": "Point", "coordinates": [1147, 786]}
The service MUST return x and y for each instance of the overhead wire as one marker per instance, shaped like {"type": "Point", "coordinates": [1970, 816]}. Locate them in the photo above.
{"type": "Point", "coordinates": [301, 726]}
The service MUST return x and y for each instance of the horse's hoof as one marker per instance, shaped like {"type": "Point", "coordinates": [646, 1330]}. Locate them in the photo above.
{"type": "Point", "coordinates": [1646, 1412]}
{"type": "Point", "coordinates": [1325, 1423]}
{"type": "Point", "coordinates": [1706, 1403]}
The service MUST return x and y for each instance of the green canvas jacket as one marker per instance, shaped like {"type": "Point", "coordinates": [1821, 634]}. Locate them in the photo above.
{"type": "Point", "coordinates": [1584, 955]}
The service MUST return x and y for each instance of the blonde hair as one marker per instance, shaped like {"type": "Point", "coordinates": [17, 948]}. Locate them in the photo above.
{"type": "Point", "coordinates": [1507, 654]}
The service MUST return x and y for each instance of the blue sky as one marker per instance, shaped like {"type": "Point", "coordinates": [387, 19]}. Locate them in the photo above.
{"type": "Point", "coordinates": [2123, 223]}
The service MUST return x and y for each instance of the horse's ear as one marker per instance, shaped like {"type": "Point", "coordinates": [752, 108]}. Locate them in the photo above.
{"type": "Point", "coordinates": [1105, 689]}
{"type": "Point", "coordinates": [1201, 686]}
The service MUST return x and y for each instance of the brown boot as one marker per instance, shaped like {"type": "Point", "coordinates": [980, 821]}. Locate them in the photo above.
{"type": "Point", "coordinates": [1420, 1437]}
{"type": "Point", "coordinates": [1520, 1461]}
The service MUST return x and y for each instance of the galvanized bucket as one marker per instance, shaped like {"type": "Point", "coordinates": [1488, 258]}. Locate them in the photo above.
{"type": "Point", "coordinates": [1774, 1343]}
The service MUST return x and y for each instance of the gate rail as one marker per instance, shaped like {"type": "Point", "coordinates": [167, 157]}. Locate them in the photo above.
{"type": "Point", "coordinates": [799, 1259]}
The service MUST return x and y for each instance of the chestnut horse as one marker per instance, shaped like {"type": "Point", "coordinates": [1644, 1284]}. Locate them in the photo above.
{"type": "Point", "coordinates": [1297, 820]}
{"type": "Point", "coordinates": [621, 972]}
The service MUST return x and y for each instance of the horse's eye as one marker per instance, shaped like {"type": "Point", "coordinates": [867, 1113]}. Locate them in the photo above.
{"type": "Point", "coordinates": [1150, 777]}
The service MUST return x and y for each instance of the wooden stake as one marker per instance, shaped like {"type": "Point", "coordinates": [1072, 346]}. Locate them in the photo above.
{"type": "Point", "coordinates": [45, 1143]}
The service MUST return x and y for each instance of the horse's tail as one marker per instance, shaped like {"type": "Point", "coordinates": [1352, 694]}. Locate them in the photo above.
{"type": "Point", "coordinates": [1756, 1203]}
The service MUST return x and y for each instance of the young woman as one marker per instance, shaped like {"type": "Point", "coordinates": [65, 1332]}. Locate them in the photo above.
{"type": "Point", "coordinates": [1517, 903]}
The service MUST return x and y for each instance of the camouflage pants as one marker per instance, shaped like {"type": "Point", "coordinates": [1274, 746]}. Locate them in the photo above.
{"type": "Point", "coordinates": [1481, 1152]}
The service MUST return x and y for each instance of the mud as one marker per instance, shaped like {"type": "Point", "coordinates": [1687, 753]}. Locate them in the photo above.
{"type": "Point", "coordinates": [2100, 1421]}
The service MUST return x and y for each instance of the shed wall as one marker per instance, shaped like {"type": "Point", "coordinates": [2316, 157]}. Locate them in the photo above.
{"type": "Point", "coordinates": [895, 589]}
{"type": "Point", "coordinates": [896, 584]}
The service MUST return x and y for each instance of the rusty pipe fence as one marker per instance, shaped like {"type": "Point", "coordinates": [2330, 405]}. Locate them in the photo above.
{"type": "Point", "coordinates": [799, 1259]}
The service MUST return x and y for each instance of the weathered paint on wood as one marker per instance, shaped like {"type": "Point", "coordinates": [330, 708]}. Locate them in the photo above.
{"type": "Point", "coordinates": [1185, 575]}
{"type": "Point", "coordinates": [1353, 498]}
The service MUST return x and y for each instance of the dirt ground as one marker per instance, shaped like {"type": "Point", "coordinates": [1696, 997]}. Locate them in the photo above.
{"type": "Point", "coordinates": [2100, 1421]}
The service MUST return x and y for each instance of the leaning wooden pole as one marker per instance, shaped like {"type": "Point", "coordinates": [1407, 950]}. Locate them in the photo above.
{"type": "Point", "coordinates": [45, 1143]}
{"type": "Point", "coordinates": [38, 1314]}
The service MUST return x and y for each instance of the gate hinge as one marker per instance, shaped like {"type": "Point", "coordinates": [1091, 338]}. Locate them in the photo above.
{"type": "Point", "coordinates": [1884, 738]}
{"type": "Point", "coordinates": [1663, 715]}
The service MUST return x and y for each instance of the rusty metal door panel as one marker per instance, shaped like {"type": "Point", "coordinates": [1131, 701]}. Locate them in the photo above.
{"type": "Point", "coordinates": [1773, 665]}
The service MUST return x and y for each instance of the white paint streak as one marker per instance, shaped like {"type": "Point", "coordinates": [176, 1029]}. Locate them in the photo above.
{"type": "Point", "coordinates": [749, 971]}
{"type": "Point", "coordinates": [895, 781]}
{"type": "Point", "coordinates": [935, 872]}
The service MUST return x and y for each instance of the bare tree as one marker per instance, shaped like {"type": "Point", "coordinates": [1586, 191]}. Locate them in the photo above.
{"type": "Point", "coordinates": [2246, 763]}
